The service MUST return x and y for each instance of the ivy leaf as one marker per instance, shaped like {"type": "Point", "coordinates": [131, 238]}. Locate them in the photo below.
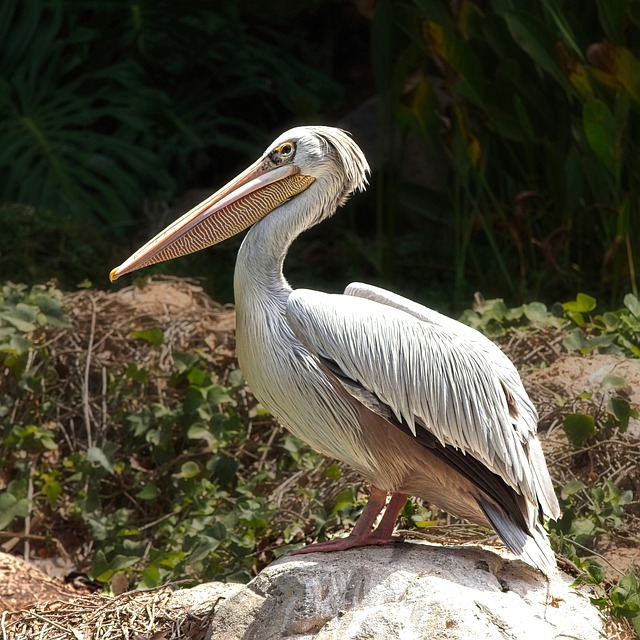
{"type": "Point", "coordinates": [582, 304]}
{"type": "Point", "coordinates": [633, 304]}
{"type": "Point", "coordinates": [333, 472]}
{"type": "Point", "coordinates": [18, 321]}
{"type": "Point", "coordinates": [97, 455]}
{"type": "Point", "coordinates": [573, 486]}
{"type": "Point", "coordinates": [621, 410]}
{"type": "Point", "coordinates": [611, 381]}
{"type": "Point", "coordinates": [198, 431]}
{"type": "Point", "coordinates": [148, 492]}
{"type": "Point", "coordinates": [344, 500]}
{"type": "Point", "coordinates": [189, 469]}
{"type": "Point", "coordinates": [579, 427]}
{"type": "Point", "coordinates": [595, 572]}
{"type": "Point", "coordinates": [535, 311]}
{"type": "Point", "coordinates": [12, 507]}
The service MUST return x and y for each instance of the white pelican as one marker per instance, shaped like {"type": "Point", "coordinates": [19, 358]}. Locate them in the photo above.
{"type": "Point", "coordinates": [418, 403]}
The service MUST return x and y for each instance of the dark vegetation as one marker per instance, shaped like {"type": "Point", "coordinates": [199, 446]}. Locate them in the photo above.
{"type": "Point", "coordinates": [503, 136]}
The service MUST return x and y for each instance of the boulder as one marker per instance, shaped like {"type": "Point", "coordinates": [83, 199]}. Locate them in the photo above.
{"type": "Point", "coordinates": [407, 591]}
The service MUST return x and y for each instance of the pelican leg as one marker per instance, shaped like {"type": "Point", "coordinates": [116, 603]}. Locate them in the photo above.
{"type": "Point", "coordinates": [384, 531]}
{"type": "Point", "coordinates": [362, 535]}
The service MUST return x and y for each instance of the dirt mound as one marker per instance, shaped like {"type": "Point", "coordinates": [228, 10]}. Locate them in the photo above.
{"type": "Point", "coordinates": [101, 340]}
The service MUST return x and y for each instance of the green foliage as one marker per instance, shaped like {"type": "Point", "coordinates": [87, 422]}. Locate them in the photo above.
{"type": "Point", "coordinates": [609, 332]}
{"type": "Point", "coordinates": [579, 427]}
{"type": "Point", "coordinates": [69, 138]}
{"type": "Point", "coordinates": [533, 108]}
{"type": "Point", "coordinates": [22, 311]}
{"type": "Point", "coordinates": [523, 116]}
{"type": "Point", "coordinates": [172, 485]}
{"type": "Point", "coordinates": [178, 483]}
{"type": "Point", "coordinates": [37, 245]}
{"type": "Point", "coordinates": [104, 106]}
{"type": "Point", "coordinates": [620, 600]}
{"type": "Point", "coordinates": [588, 514]}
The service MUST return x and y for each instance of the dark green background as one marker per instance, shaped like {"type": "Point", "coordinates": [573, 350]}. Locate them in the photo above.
{"type": "Point", "coordinates": [503, 135]}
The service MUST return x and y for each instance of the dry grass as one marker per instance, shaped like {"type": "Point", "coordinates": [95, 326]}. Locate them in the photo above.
{"type": "Point", "coordinates": [141, 615]}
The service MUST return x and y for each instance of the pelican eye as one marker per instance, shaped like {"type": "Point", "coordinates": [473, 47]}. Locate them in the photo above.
{"type": "Point", "coordinates": [283, 153]}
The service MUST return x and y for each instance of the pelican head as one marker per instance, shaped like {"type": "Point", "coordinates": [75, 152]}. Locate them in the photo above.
{"type": "Point", "coordinates": [323, 160]}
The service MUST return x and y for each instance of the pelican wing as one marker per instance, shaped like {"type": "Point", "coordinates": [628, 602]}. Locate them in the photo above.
{"type": "Point", "coordinates": [521, 407]}
{"type": "Point", "coordinates": [432, 373]}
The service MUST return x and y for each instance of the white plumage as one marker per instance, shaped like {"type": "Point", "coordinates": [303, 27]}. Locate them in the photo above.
{"type": "Point", "coordinates": [415, 401]}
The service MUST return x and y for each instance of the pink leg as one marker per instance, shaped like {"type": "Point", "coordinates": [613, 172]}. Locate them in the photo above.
{"type": "Point", "coordinates": [384, 531]}
{"type": "Point", "coordinates": [362, 535]}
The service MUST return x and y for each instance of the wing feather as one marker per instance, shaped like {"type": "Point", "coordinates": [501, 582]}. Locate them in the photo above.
{"type": "Point", "coordinates": [521, 409]}
{"type": "Point", "coordinates": [432, 373]}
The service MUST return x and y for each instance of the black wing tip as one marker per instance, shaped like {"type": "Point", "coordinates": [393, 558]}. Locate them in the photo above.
{"type": "Point", "coordinates": [532, 546]}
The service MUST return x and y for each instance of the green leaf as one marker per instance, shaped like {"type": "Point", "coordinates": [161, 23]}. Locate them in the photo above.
{"type": "Point", "coordinates": [582, 304]}
{"type": "Point", "coordinates": [579, 427]}
{"type": "Point", "coordinates": [121, 561]}
{"type": "Point", "coordinates": [535, 39]}
{"type": "Point", "coordinates": [613, 17]}
{"type": "Point", "coordinates": [633, 304]}
{"type": "Point", "coordinates": [600, 129]}
{"type": "Point", "coordinates": [100, 569]}
{"type": "Point", "coordinates": [153, 336]}
{"type": "Point", "coordinates": [98, 456]}
{"type": "Point", "coordinates": [576, 341]}
{"type": "Point", "coordinates": [344, 500]}
{"type": "Point", "coordinates": [51, 487]}
{"type": "Point", "coordinates": [189, 469]}
{"type": "Point", "coordinates": [149, 492]}
{"type": "Point", "coordinates": [12, 507]}
{"type": "Point", "coordinates": [18, 321]}
{"type": "Point", "coordinates": [562, 25]}
{"type": "Point", "coordinates": [616, 66]}
{"type": "Point", "coordinates": [446, 45]}
{"type": "Point", "coordinates": [595, 572]}
{"type": "Point", "coordinates": [53, 310]}
{"type": "Point", "coordinates": [572, 487]}
{"type": "Point", "coordinates": [198, 377]}
{"type": "Point", "coordinates": [333, 471]}
{"type": "Point", "coordinates": [198, 431]}
{"type": "Point", "coordinates": [582, 530]}
{"type": "Point", "coordinates": [611, 381]}
{"type": "Point", "coordinates": [621, 410]}
{"type": "Point", "coordinates": [611, 321]}
{"type": "Point", "coordinates": [217, 394]}
{"type": "Point", "coordinates": [535, 311]}
{"type": "Point", "coordinates": [135, 373]}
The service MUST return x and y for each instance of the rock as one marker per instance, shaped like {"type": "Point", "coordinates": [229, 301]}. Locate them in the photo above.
{"type": "Point", "coordinates": [407, 591]}
{"type": "Point", "coordinates": [198, 601]}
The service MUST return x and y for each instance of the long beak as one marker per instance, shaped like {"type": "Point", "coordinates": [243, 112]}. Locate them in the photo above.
{"type": "Point", "coordinates": [239, 204]}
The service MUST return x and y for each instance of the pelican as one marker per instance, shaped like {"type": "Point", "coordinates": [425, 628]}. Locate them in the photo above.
{"type": "Point", "coordinates": [419, 404]}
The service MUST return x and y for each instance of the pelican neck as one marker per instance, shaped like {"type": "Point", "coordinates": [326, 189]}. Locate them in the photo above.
{"type": "Point", "coordinates": [259, 271]}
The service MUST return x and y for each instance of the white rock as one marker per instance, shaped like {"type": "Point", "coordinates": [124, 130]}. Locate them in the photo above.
{"type": "Point", "coordinates": [198, 601]}
{"type": "Point", "coordinates": [408, 591]}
